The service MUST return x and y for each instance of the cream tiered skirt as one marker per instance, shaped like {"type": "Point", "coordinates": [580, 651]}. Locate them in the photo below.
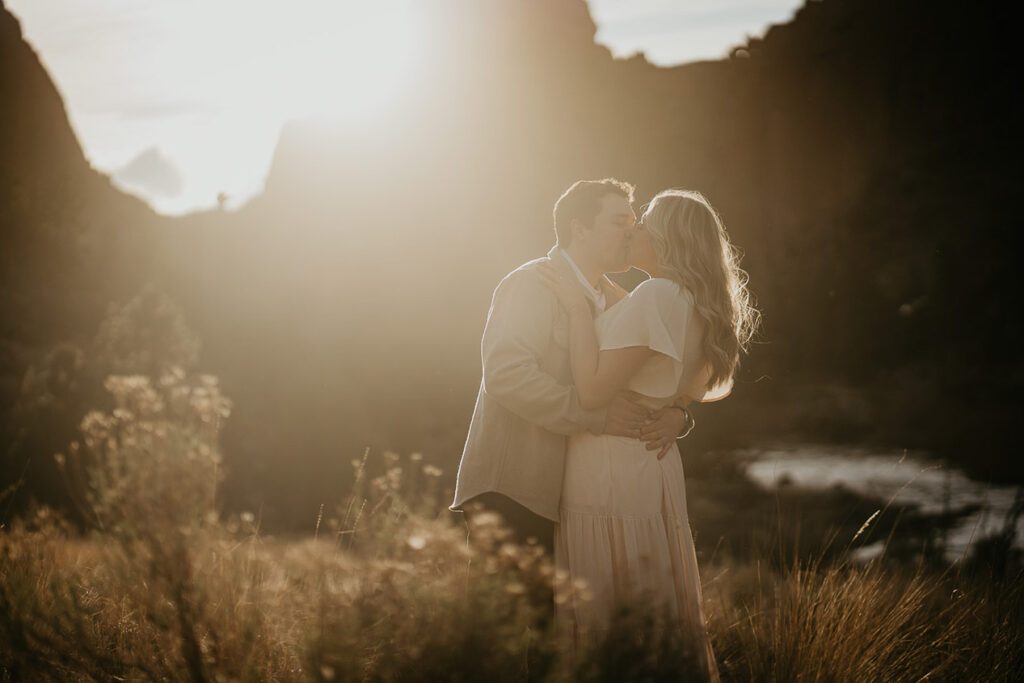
{"type": "Point", "coordinates": [623, 530]}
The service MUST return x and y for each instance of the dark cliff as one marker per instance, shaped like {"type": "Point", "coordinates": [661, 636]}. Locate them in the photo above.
{"type": "Point", "coordinates": [70, 244]}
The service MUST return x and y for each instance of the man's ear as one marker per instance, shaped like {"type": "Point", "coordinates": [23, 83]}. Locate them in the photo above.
{"type": "Point", "coordinates": [577, 229]}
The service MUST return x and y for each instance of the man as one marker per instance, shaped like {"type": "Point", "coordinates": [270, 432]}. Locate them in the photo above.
{"type": "Point", "coordinates": [513, 459]}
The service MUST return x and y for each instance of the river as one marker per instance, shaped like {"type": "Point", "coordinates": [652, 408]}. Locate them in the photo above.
{"type": "Point", "coordinates": [896, 477]}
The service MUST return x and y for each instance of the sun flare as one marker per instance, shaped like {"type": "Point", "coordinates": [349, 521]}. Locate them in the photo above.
{"type": "Point", "coordinates": [339, 60]}
{"type": "Point", "coordinates": [193, 94]}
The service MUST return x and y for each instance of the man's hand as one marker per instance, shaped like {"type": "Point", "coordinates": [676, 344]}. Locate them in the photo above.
{"type": "Point", "coordinates": [626, 415]}
{"type": "Point", "coordinates": [661, 429]}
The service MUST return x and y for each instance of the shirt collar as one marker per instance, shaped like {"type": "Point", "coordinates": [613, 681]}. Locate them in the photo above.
{"type": "Point", "coordinates": [596, 293]}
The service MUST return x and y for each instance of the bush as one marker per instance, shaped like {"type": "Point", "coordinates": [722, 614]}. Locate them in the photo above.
{"type": "Point", "coordinates": [153, 461]}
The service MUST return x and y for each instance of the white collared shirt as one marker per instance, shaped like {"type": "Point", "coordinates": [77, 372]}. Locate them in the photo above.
{"type": "Point", "coordinates": [596, 293]}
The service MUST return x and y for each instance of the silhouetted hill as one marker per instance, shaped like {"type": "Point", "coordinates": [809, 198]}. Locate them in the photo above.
{"type": "Point", "coordinates": [70, 245]}
{"type": "Point", "coordinates": [863, 156]}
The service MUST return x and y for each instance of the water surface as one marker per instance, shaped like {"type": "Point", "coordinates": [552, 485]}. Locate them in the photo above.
{"type": "Point", "coordinates": [897, 477]}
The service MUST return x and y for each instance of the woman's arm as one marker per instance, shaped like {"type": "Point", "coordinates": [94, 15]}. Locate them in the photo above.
{"type": "Point", "coordinates": [518, 329]}
{"type": "Point", "coordinates": [598, 375]}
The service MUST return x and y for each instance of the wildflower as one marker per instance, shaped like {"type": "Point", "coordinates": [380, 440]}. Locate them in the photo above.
{"type": "Point", "coordinates": [172, 376]}
{"type": "Point", "coordinates": [94, 424]}
{"type": "Point", "coordinates": [581, 589]}
{"type": "Point", "coordinates": [222, 406]}
{"type": "Point", "coordinates": [417, 542]}
{"type": "Point", "coordinates": [508, 551]}
{"type": "Point", "coordinates": [487, 519]}
{"type": "Point", "coordinates": [120, 385]}
{"type": "Point", "coordinates": [432, 471]}
{"type": "Point", "coordinates": [525, 561]}
{"type": "Point", "coordinates": [202, 406]}
{"type": "Point", "coordinates": [395, 478]}
{"type": "Point", "coordinates": [561, 577]}
{"type": "Point", "coordinates": [123, 415]}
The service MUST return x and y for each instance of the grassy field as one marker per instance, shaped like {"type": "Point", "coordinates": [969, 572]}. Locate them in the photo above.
{"type": "Point", "coordinates": [386, 587]}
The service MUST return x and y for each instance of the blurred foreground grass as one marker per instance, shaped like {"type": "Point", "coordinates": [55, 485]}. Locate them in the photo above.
{"type": "Point", "coordinates": [161, 587]}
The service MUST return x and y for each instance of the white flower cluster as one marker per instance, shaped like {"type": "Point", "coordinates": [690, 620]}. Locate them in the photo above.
{"type": "Point", "coordinates": [154, 458]}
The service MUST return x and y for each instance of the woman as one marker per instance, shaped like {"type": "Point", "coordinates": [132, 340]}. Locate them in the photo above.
{"type": "Point", "coordinates": [623, 523]}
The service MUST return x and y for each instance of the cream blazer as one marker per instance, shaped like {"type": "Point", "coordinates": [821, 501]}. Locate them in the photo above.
{"type": "Point", "coordinates": [526, 406]}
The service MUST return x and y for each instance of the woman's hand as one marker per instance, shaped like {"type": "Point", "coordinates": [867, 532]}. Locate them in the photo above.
{"type": "Point", "coordinates": [566, 288]}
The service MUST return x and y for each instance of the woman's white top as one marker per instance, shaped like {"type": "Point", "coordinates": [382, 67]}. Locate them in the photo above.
{"type": "Point", "coordinates": [660, 315]}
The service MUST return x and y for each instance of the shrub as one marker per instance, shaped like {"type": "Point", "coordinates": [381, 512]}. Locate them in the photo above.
{"type": "Point", "coordinates": [153, 461]}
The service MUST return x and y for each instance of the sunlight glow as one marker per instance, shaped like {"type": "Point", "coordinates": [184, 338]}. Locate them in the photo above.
{"type": "Point", "coordinates": [181, 101]}
{"type": "Point", "coordinates": [199, 89]}
{"type": "Point", "coordinates": [336, 59]}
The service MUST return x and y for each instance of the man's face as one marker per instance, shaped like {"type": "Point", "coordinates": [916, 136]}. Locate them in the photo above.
{"type": "Point", "coordinates": [606, 242]}
{"type": "Point", "coordinates": [641, 248]}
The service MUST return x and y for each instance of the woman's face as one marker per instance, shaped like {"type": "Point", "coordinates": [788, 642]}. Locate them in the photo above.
{"type": "Point", "coordinates": [641, 248]}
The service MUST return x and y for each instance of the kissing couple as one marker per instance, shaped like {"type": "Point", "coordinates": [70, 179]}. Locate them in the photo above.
{"type": "Point", "coordinates": [585, 389]}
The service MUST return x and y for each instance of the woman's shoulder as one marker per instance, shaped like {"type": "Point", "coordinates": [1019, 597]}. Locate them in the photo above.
{"type": "Point", "coordinates": [654, 315]}
{"type": "Point", "coordinates": [661, 291]}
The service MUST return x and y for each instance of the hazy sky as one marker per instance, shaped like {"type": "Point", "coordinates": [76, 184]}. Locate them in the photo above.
{"type": "Point", "coordinates": [671, 32]}
{"type": "Point", "coordinates": [181, 100]}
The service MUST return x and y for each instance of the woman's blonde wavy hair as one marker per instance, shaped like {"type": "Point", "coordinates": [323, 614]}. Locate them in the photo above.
{"type": "Point", "coordinates": [694, 251]}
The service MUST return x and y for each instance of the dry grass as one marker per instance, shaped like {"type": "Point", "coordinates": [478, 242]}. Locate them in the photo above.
{"type": "Point", "coordinates": [388, 588]}
{"type": "Point", "coordinates": [867, 623]}
{"type": "Point", "coordinates": [218, 605]}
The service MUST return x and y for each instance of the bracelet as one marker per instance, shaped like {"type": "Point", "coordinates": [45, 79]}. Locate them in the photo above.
{"type": "Point", "coordinates": [690, 422]}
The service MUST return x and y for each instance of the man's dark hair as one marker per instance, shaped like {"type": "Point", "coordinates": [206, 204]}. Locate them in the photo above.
{"type": "Point", "coordinates": [583, 201]}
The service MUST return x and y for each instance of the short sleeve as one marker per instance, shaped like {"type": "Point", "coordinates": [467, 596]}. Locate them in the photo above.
{"type": "Point", "coordinates": [656, 315]}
